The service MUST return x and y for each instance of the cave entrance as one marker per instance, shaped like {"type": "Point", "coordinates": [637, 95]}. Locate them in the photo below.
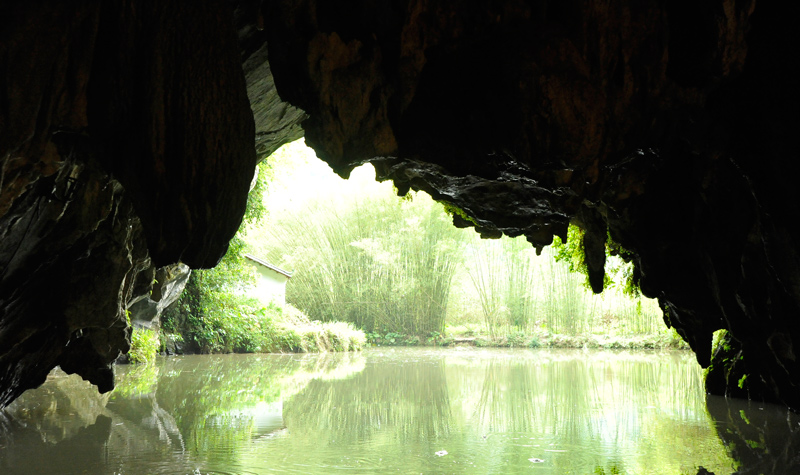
{"type": "Point", "coordinates": [396, 268]}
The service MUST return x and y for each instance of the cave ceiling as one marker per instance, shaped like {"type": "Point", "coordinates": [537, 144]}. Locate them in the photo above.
{"type": "Point", "coordinates": [130, 130]}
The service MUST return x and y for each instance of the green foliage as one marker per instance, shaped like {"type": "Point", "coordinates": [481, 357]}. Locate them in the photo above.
{"type": "Point", "coordinates": [516, 339]}
{"type": "Point", "coordinates": [619, 272]}
{"type": "Point", "coordinates": [502, 276]}
{"type": "Point", "coordinates": [379, 263]}
{"type": "Point", "coordinates": [144, 345]}
{"type": "Point", "coordinates": [573, 254]}
{"type": "Point", "coordinates": [208, 311]}
{"type": "Point", "coordinates": [400, 339]}
{"type": "Point", "coordinates": [742, 381]}
{"type": "Point", "coordinates": [165, 337]}
{"type": "Point", "coordinates": [434, 338]}
{"type": "Point", "coordinates": [572, 251]}
{"type": "Point", "coordinates": [483, 342]}
{"type": "Point", "coordinates": [326, 336]}
{"type": "Point", "coordinates": [246, 327]}
{"type": "Point", "coordinates": [743, 415]}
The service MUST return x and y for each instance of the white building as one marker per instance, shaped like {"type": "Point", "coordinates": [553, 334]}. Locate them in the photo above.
{"type": "Point", "coordinates": [271, 283]}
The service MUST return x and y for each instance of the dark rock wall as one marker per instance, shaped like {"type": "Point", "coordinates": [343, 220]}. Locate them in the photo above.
{"type": "Point", "coordinates": [168, 109]}
{"type": "Point", "coordinates": [126, 144]}
{"type": "Point", "coordinates": [277, 122]}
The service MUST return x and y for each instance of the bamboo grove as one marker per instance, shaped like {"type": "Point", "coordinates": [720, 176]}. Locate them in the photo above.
{"type": "Point", "coordinates": [363, 255]}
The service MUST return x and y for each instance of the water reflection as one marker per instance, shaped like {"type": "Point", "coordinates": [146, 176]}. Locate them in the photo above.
{"type": "Point", "coordinates": [494, 411]}
{"type": "Point", "coordinates": [68, 418]}
{"type": "Point", "coordinates": [185, 415]}
{"type": "Point", "coordinates": [398, 410]}
{"type": "Point", "coordinates": [763, 438]}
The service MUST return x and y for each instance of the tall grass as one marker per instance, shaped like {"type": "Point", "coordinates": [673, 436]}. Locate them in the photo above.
{"type": "Point", "coordinates": [381, 264]}
{"type": "Point", "coordinates": [515, 291]}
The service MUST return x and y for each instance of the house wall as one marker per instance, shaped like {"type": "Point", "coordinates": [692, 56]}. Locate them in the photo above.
{"type": "Point", "coordinates": [270, 286]}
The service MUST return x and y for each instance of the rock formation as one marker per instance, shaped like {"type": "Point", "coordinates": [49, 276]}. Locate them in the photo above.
{"type": "Point", "coordinates": [127, 142]}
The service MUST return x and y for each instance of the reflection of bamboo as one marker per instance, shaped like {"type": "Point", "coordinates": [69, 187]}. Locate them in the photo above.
{"type": "Point", "coordinates": [411, 398]}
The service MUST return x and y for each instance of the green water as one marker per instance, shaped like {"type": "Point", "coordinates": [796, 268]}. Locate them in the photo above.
{"type": "Point", "coordinates": [461, 410]}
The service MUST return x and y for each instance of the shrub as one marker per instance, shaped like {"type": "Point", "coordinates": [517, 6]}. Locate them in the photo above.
{"type": "Point", "coordinates": [516, 339]}
{"type": "Point", "coordinates": [411, 341]}
{"type": "Point", "coordinates": [144, 346]}
{"type": "Point", "coordinates": [482, 342]}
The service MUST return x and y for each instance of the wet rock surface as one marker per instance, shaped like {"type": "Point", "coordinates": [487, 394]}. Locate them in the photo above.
{"type": "Point", "coordinates": [668, 127]}
{"type": "Point", "coordinates": [153, 297]}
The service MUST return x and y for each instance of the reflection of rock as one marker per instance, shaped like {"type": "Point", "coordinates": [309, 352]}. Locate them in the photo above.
{"type": "Point", "coordinates": [763, 438]}
{"type": "Point", "coordinates": [42, 431]}
{"type": "Point", "coordinates": [59, 409]}
{"type": "Point", "coordinates": [26, 453]}
{"type": "Point", "coordinates": [67, 423]}
{"type": "Point", "coordinates": [158, 413]}
{"type": "Point", "coordinates": [141, 425]}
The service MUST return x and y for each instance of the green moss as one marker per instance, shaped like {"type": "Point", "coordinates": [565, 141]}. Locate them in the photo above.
{"type": "Point", "coordinates": [572, 251]}
{"type": "Point", "coordinates": [744, 417]}
{"type": "Point", "coordinates": [454, 210]}
{"type": "Point", "coordinates": [742, 381]}
{"type": "Point", "coordinates": [717, 339]}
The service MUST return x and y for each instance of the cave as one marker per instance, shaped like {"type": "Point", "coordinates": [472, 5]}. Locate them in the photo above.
{"type": "Point", "coordinates": [129, 133]}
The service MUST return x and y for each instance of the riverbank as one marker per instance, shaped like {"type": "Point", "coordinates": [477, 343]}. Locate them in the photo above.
{"type": "Point", "coordinates": [667, 339]}
{"type": "Point", "coordinates": [270, 329]}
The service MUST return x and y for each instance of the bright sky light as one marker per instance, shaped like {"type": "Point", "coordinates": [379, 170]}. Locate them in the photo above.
{"type": "Point", "coordinates": [300, 175]}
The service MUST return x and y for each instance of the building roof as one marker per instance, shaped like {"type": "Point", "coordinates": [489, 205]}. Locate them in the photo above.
{"type": "Point", "coordinates": [268, 265]}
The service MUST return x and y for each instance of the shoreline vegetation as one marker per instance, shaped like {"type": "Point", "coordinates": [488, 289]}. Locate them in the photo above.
{"type": "Point", "coordinates": [540, 339]}
{"type": "Point", "coordinates": [284, 330]}
{"type": "Point", "coordinates": [270, 329]}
